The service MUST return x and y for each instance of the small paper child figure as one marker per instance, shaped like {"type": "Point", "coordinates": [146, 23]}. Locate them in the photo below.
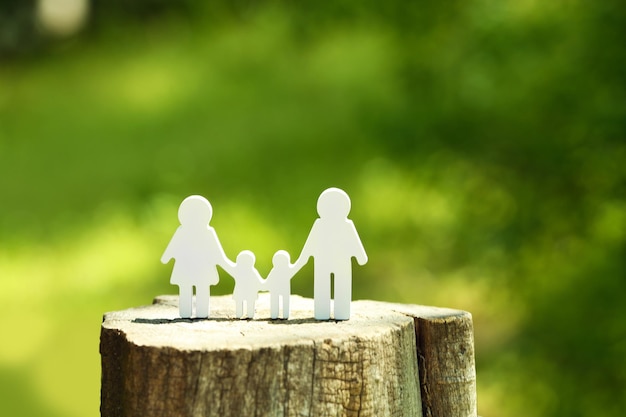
{"type": "Point", "coordinates": [248, 282]}
{"type": "Point", "coordinates": [278, 283]}
{"type": "Point", "coordinates": [332, 243]}
{"type": "Point", "coordinates": [197, 252]}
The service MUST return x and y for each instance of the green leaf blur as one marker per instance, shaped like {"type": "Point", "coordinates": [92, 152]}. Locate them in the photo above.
{"type": "Point", "coordinates": [483, 144]}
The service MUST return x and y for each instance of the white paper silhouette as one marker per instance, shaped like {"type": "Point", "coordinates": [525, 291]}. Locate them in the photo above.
{"type": "Point", "coordinates": [197, 252]}
{"type": "Point", "coordinates": [332, 243]}
{"type": "Point", "coordinates": [248, 283]}
{"type": "Point", "coordinates": [278, 283]}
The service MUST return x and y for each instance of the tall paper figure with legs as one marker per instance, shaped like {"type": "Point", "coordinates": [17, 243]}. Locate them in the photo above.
{"type": "Point", "coordinates": [197, 252]}
{"type": "Point", "coordinates": [332, 243]}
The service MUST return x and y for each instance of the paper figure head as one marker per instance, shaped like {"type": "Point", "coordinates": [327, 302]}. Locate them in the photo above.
{"type": "Point", "coordinates": [333, 203]}
{"type": "Point", "coordinates": [281, 258]}
{"type": "Point", "coordinates": [195, 210]}
{"type": "Point", "coordinates": [246, 258]}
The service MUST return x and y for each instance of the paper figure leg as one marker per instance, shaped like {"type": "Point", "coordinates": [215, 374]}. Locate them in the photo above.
{"type": "Point", "coordinates": [202, 301]}
{"type": "Point", "coordinates": [343, 293]}
{"type": "Point", "coordinates": [250, 305]}
{"type": "Point", "coordinates": [239, 309]}
{"type": "Point", "coordinates": [185, 297]}
{"type": "Point", "coordinates": [274, 306]}
{"type": "Point", "coordinates": [286, 306]}
{"type": "Point", "coordinates": [321, 294]}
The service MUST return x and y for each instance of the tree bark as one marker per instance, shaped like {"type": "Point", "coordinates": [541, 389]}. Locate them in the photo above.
{"type": "Point", "coordinates": [445, 354]}
{"type": "Point", "coordinates": [387, 360]}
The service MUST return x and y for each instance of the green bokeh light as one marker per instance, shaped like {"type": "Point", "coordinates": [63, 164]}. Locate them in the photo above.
{"type": "Point", "coordinates": [481, 142]}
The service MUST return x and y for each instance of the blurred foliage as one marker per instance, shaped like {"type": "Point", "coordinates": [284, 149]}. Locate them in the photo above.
{"type": "Point", "coordinates": [482, 143]}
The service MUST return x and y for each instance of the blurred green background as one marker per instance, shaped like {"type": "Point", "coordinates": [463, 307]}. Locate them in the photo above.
{"type": "Point", "coordinates": [482, 143]}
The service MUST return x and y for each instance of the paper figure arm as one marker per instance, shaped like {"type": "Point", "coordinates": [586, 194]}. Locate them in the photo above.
{"type": "Point", "coordinates": [258, 277]}
{"type": "Point", "coordinates": [300, 262]}
{"type": "Point", "coordinates": [308, 250]}
{"type": "Point", "coordinates": [228, 266]}
{"type": "Point", "coordinates": [297, 266]}
{"type": "Point", "coordinates": [220, 256]}
{"type": "Point", "coordinates": [170, 250]}
{"type": "Point", "coordinates": [360, 255]}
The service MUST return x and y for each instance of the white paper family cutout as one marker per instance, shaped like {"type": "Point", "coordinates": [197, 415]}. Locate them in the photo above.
{"type": "Point", "coordinates": [332, 243]}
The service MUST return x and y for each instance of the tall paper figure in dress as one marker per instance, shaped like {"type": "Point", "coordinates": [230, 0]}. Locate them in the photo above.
{"type": "Point", "coordinates": [332, 242]}
{"type": "Point", "coordinates": [197, 252]}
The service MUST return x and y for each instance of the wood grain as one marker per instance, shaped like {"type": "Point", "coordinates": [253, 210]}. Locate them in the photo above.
{"type": "Point", "coordinates": [157, 364]}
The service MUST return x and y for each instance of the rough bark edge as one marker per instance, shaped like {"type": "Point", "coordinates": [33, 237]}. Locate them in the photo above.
{"type": "Point", "coordinates": [112, 354]}
{"type": "Point", "coordinates": [445, 357]}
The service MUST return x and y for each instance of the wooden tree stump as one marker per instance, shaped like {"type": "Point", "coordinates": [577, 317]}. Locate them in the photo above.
{"type": "Point", "coordinates": [387, 360]}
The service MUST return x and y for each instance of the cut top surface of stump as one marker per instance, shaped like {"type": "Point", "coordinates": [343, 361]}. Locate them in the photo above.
{"type": "Point", "coordinates": [159, 324]}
